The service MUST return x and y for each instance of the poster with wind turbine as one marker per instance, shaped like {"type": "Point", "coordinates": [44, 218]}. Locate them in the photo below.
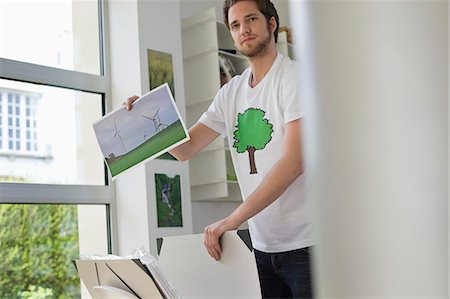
{"type": "Point", "coordinates": [152, 128]}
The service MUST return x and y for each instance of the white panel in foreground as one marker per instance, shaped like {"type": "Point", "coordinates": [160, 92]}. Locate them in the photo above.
{"type": "Point", "coordinates": [194, 274]}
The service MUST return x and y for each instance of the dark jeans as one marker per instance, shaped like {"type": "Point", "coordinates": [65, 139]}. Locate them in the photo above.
{"type": "Point", "coordinates": [285, 274]}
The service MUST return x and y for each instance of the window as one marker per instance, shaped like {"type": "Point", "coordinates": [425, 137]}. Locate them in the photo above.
{"type": "Point", "coordinates": [1, 123]}
{"type": "Point", "coordinates": [55, 200]}
{"type": "Point", "coordinates": [70, 30]}
{"type": "Point", "coordinates": [45, 134]}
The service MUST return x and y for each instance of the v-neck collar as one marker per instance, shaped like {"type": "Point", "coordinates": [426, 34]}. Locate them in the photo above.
{"type": "Point", "coordinates": [268, 74]}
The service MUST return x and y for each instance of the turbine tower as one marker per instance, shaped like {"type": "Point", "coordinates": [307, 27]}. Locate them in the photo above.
{"type": "Point", "coordinates": [117, 134]}
{"type": "Point", "coordinates": [145, 134]}
{"type": "Point", "coordinates": [161, 126]}
{"type": "Point", "coordinates": [156, 121]}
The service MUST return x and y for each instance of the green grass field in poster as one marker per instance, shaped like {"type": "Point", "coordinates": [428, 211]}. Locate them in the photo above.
{"type": "Point", "coordinates": [157, 143]}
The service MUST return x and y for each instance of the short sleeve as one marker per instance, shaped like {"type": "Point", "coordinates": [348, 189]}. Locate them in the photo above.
{"type": "Point", "coordinates": [292, 104]}
{"type": "Point", "coordinates": [214, 117]}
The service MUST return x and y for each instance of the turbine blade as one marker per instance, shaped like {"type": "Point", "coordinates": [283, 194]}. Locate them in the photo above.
{"type": "Point", "coordinates": [156, 113]}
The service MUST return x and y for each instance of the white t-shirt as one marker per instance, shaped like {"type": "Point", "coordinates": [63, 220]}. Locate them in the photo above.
{"type": "Point", "coordinates": [253, 119]}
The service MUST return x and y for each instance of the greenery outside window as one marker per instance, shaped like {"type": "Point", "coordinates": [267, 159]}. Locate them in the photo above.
{"type": "Point", "coordinates": [36, 256]}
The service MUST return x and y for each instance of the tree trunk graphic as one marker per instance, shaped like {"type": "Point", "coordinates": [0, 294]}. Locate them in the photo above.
{"type": "Point", "coordinates": [251, 158]}
{"type": "Point", "coordinates": [253, 132]}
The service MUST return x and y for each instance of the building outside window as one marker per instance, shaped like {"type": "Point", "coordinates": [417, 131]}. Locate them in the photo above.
{"type": "Point", "coordinates": [55, 201]}
{"type": "Point", "coordinates": [20, 136]}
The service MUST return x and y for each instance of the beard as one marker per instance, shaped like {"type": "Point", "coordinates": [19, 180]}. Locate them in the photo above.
{"type": "Point", "coordinates": [260, 47]}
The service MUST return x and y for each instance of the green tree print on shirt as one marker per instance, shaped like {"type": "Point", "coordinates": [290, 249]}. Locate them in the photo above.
{"type": "Point", "coordinates": [253, 133]}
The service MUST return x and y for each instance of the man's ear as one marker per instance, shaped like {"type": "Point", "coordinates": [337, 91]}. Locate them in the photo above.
{"type": "Point", "coordinates": [273, 24]}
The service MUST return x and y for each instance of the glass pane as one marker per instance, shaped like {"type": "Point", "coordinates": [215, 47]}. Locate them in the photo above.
{"type": "Point", "coordinates": [36, 256]}
{"type": "Point", "coordinates": [61, 34]}
{"type": "Point", "coordinates": [54, 142]}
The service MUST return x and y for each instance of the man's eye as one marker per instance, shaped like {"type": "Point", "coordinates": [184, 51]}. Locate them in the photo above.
{"type": "Point", "coordinates": [251, 19]}
{"type": "Point", "coordinates": [234, 27]}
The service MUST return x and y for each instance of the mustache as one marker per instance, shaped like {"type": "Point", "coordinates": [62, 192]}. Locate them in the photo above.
{"type": "Point", "coordinates": [251, 36]}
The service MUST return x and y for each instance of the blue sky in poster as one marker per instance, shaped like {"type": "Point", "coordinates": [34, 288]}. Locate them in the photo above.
{"type": "Point", "coordinates": [133, 128]}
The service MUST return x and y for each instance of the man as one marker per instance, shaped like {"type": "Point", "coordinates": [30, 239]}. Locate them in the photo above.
{"type": "Point", "coordinates": [261, 114]}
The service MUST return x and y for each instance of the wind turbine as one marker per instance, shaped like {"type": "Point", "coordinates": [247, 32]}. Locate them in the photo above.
{"type": "Point", "coordinates": [117, 134]}
{"type": "Point", "coordinates": [160, 125]}
{"type": "Point", "coordinates": [157, 115]}
{"type": "Point", "coordinates": [155, 123]}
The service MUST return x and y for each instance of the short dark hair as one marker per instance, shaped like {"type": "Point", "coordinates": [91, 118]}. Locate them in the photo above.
{"type": "Point", "coordinates": [266, 7]}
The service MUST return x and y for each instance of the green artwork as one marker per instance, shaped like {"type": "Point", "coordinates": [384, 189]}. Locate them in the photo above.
{"type": "Point", "coordinates": [253, 133]}
{"type": "Point", "coordinates": [160, 71]}
{"type": "Point", "coordinates": [168, 200]}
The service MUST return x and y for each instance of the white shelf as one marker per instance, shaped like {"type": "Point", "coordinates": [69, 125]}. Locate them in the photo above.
{"type": "Point", "coordinates": [200, 53]}
{"type": "Point", "coordinates": [230, 190]}
{"type": "Point", "coordinates": [212, 149]}
{"type": "Point", "coordinates": [239, 62]}
{"type": "Point", "coordinates": [224, 40]}
{"type": "Point", "coordinates": [209, 183]}
{"type": "Point", "coordinates": [202, 38]}
{"type": "Point", "coordinates": [232, 55]}
{"type": "Point", "coordinates": [189, 24]}
{"type": "Point", "coordinates": [217, 182]}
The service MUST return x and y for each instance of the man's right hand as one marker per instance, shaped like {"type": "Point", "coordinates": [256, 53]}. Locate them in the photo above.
{"type": "Point", "coordinates": [129, 102]}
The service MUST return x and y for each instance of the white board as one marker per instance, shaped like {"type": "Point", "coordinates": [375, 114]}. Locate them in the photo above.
{"type": "Point", "coordinates": [194, 274]}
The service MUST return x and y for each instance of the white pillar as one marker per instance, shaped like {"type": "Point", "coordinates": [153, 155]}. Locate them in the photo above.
{"type": "Point", "coordinates": [375, 78]}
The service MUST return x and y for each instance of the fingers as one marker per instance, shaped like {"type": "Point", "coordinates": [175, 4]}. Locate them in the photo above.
{"type": "Point", "coordinates": [211, 242]}
{"type": "Point", "coordinates": [129, 102]}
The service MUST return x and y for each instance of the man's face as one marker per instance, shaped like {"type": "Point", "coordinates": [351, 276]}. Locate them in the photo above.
{"type": "Point", "coordinates": [249, 29]}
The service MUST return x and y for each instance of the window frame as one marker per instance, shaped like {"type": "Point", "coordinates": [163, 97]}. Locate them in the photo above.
{"type": "Point", "coordinates": [35, 193]}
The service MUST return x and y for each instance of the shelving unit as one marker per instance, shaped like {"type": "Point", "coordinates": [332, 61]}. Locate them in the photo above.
{"type": "Point", "coordinates": [203, 39]}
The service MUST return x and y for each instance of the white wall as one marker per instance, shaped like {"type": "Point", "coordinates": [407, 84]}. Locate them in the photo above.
{"type": "Point", "coordinates": [282, 7]}
{"type": "Point", "coordinates": [135, 27]}
{"type": "Point", "coordinates": [375, 77]}
{"type": "Point", "coordinates": [125, 81]}
{"type": "Point", "coordinates": [189, 8]}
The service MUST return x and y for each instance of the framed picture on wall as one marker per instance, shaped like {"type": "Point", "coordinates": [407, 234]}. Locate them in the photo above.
{"type": "Point", "coordinates": [168, 200]}
{"type": "Point", "coordinates": [160, 71]}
